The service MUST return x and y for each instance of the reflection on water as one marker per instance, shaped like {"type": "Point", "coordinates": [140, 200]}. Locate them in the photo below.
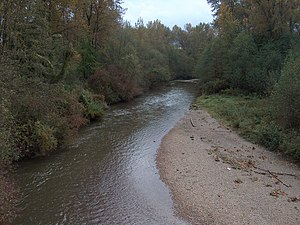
{"type": "Point", "coordinates": [108, 175]}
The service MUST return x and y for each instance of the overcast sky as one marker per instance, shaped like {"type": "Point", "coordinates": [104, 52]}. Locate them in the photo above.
{"type": "Point", "coordinates": [169, 12]}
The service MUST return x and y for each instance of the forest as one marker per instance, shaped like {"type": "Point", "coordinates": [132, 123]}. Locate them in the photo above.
{"type": "Point", "coordinates": [63, 62]}
{"type": "Point", "coordinates": [253, 64]}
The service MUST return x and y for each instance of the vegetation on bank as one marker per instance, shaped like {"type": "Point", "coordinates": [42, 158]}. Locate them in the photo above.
{"type": "Point", "coordinates": [62, 62]}
{"type": "Point", "coordinates": [254, 119]}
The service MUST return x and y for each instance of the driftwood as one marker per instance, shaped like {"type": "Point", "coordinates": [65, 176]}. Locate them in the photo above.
{"type": "Point", "coordinates": [261, 173]}
{"type": "Point", "coordinates": [221, 131]}
{"type": "Point", "coordinates": [273, 174]}
{"type": "Point", "coordinates": [192, 123]}
{"type": "Point", "coordinates": [276, 173]}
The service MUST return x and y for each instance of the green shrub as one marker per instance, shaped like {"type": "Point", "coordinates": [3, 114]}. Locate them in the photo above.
{"type": "Point", "coordinates": [269, 135]}
{"type": "Point", "coordinates": [214, 86]}
{"type": "Point", "coordinates": [291, 144]}
{"type": "Point", "coordinates": [94, 107]}
{"type": "Point", "coordinates": [286, 96]}
{"type": "Point", "coordinates": [44, 137]}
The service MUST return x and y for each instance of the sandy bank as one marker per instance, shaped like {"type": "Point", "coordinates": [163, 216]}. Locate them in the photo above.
{"type": "Point", "coordinates": [216, 177]}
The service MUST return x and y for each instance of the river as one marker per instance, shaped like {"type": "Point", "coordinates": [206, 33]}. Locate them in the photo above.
{"type": "Point", "coordinates": [107, 175]}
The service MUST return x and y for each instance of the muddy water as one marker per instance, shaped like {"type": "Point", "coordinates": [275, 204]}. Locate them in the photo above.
{"type": "Point", "coordinates": [108, 175]}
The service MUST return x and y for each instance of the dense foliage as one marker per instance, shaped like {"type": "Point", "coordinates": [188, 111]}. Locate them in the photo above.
{"type": "Point", "coordinates": [63, 60]}
{"type": "Point", "coordinates": [256, 53]}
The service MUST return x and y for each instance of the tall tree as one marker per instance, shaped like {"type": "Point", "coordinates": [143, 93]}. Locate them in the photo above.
{"type": "Point", "coordinates": [101, 17]}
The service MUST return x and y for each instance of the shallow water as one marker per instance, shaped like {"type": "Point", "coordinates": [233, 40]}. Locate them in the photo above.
{"type": "Point", "coordinates": [108, 175]}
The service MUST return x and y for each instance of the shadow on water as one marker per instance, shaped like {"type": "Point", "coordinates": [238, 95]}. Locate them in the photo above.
{"type": "Point", "coordinates": [108, 175]}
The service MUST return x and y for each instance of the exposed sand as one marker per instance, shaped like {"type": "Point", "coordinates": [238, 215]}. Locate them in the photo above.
{"type": "Point", "coordinates": [216, 177]}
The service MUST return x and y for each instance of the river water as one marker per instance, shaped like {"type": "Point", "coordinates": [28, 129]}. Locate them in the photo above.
{"type": "Point", "coordinates": [108, 175]}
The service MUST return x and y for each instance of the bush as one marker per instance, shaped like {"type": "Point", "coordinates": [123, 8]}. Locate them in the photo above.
{"type": "Point", "coordinates": [214, 86]}
{"type": "Point", "coordinates": [124, 84]}
{"type": "Point", "coordinates": [41, 109]}
{"type": "Point", "coordinates": [286, 96]}
{"type": "Point", "coordinates": [102, 83]}
{"type": "Point", "coordinates": [269, 135]}
{"type": "Point", "coordinates": [94, 107]}
{"type": "Point", "coordinates": [115, 84]}
{"type": "Point", "coordinates": [44, 137]}
{"type": "Point", "coordinates": [291, 144]}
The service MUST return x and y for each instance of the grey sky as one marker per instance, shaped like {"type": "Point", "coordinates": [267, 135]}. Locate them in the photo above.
{"type": "Point", "coordinates": [169, 12]}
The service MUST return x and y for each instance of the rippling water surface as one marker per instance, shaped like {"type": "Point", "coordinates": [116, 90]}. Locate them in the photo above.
{"type": "Point", "coordinates": [108, 175]}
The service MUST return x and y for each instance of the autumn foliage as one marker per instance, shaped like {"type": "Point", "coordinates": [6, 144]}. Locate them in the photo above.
{"type": "Point", "coordinates": [256, 53]}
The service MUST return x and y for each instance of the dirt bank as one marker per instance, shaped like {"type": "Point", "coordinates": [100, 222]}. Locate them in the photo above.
{"type": "Point", "coordinates": [216, 177]}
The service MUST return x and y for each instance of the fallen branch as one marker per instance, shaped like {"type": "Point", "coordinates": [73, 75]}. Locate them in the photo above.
{"type": "Point", "coordinates": [272, 174]}
{"type": "Point", "coordinates": [287, 185]}
{"type": "Point", "coordinates": [261, 173]}
{"type": "Point", "coordinates": [277, 173]}
{"type": "Point", "coordinates": [221, 131]}
{"type": "Point", "coordinates": [192, 123]}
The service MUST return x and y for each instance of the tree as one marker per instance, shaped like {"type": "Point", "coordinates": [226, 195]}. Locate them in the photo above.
{"type": "Point", "coordinates": [100, 18]}
{"type": "Point", "coordinates": [198, 39]}
{"type": "Point", "coordinates": [34, 47]}
{"type": "Point", "coordinates": [181, 64]}
{"type": "Point", "coordinates": [226, 22]}
{"type": "Point", "coordinates": [211, 65]}
{"type": "Point", "coordinates": [179, 37]}
{"type": "Point", "coordinates": [271, 19]}
{"type": "Point", "coordinates": [242, 71]}
{"type": "Point", "coordinates": [12, 13]}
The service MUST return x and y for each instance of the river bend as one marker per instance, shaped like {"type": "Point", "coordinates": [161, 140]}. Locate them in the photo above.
{"type": "Point", "coordinates": [108, 175]}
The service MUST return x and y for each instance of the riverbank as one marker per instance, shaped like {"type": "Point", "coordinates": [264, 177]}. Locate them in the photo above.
{"type": "Point", "coordinates": [216, 177]}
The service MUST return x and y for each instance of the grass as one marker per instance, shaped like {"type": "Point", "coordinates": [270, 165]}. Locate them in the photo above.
{"type": "Point", "coordinates": [252, 118]}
